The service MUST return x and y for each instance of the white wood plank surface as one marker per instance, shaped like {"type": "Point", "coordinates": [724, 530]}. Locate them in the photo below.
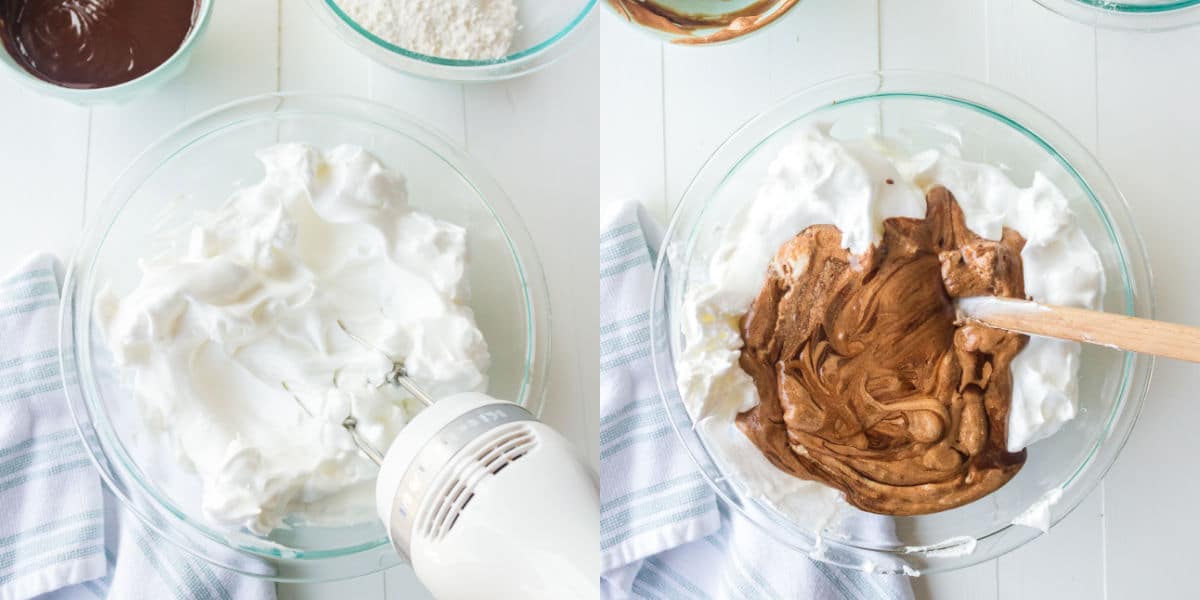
{"type": "Point", "coordinates": [1148, 139]}
{"type": "Point", "coordinates": [631, 117]}
{"type": "Point", "coordinates": [934, 35]}
{"type": "Point", "coordinates": [40, 193]}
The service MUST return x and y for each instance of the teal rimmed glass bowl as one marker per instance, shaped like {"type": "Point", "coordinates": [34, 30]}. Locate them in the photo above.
{"type": "Point", "coordinates": [547, 30]}
{"type": "Point", "coordinates": [920, 111]}
{"type": "Point", "coordinates": [1148, 15]}
{"type": "Point", "coordinates": [196, 167]}
{"type": "Point", "coordinates": [145, 84]}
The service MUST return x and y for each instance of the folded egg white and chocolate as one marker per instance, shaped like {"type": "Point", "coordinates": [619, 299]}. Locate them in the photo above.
{"type": "Point", "coordinates": [866, 380]}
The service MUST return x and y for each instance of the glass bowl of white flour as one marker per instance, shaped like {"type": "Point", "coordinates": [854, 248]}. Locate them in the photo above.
{"type": "Point", "coordinates": [459, 40]}
{"type": "Point", "coordinates": [877, 133]}
{"type": "Point", "coordinates": [1151, 15]}
{"type": "Point", "coordinates": [218, 425]}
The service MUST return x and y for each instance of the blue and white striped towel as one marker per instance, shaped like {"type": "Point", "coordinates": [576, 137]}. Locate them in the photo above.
{"type": "Point", "coordinates": [663, 532]}
{"type": "Point", "coordinates": [62, 535]}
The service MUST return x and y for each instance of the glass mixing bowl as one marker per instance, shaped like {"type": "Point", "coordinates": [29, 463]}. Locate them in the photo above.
{"type": "Point", "coordinates": [1150, 15]}
{"type": "Point", "coordinates": [145, 84]}
{"type": "Point", "coordinates": [195, 168]}
{"type": "Point", "coordinates": [921, 111]}
{"type": "Point", "coordinates": [764, 14]}
{"type": "Point", "coordinates": [547, 30]}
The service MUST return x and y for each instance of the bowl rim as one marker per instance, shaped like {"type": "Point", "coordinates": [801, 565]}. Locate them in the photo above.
{"type": "Point", "coordinates": [199, 25]}
{"type": "Point", "coordinates": [451, 67]}
{"type": "Point", "coordinates": [1121, 15]}
{"type": "Point", "coordinates": [1138, 284]}
{"type": "Point", "coordinates": [74, 336]}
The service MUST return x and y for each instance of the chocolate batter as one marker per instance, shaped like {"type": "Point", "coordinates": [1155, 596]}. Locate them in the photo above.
{"type": "Point", "coordinates": [94, 43]}
{"type": "Point", "coordinates": [866, 381]}
{"type": "Point", "coordinates": [656, 15]}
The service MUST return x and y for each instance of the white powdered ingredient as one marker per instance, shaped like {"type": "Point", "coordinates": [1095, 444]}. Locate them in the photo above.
{"type": "Point", "coordinates": [456, 29]}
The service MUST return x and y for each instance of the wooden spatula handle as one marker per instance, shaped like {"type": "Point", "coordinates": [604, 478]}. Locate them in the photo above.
{"type": "Point", "coordinates": [1088, 326]}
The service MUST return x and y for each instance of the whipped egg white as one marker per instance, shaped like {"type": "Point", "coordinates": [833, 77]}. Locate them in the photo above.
{"type": "Point", "coordinates": [232, 347]}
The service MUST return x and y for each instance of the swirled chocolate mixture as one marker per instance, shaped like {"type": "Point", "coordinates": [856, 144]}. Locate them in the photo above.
{"type": "Point", "coordinates": [656, 14]}
{"type": "Point", "coordinates": [866, 382]}
{"type": "Point", "coordinates": [94, 43]}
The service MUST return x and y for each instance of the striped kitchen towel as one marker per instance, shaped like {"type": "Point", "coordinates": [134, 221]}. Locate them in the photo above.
{"type": "Point", "coordinates": [62, 535]}
{"type": "Point", "coordinates": [664, 534]}
{"type": "Point", "coordinates": [652, 496]}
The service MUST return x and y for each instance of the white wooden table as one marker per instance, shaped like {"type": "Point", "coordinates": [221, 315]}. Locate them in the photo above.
{"type": "Point", "coordinates": [1133, 98]}
{"type": "Point", "coordinates": [537, 136]}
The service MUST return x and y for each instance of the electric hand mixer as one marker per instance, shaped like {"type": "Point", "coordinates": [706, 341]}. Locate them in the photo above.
{"type": "Point", "coordinates": [485, 500]}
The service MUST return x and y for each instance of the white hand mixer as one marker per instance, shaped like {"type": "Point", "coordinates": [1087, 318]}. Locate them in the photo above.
{"type": "Point", "coordinates": [486, 501]}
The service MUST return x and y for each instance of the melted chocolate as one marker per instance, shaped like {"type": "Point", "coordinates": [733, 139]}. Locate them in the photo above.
{"type": "Point", "coordinates": [94, 43]}
{"type": "Point", "coordinates": [866, 381]}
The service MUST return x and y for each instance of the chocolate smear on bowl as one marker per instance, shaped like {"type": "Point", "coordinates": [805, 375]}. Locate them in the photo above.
{"type": "Point", "coordinates": [728, 25]}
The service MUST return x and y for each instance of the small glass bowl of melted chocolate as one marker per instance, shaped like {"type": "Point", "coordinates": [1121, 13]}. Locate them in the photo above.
{"type": "Point", "coordinates": [91, 51]}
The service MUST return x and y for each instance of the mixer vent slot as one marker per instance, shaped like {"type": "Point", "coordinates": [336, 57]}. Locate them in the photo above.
{"type": "Point", "coordinates": [507, 450]}
{"type": "Point", "coordinates": [506, 446]}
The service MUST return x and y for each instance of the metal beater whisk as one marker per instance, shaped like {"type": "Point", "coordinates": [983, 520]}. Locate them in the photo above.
{"type": "Point", "coordinates": [398, 375]}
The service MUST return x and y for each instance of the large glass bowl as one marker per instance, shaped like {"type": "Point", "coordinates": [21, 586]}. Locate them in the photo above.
{"type": "Point", "coordinates": [1149, 15]}
{"type": "Point", "coordinates": [921, 111]}
{"type": "Point", "coordinates": [195, 168]}
{"type": "Point", "coordinates": [547, 30]}
{"type": "Point", "coordinates": [123, 92]}
{"type": "Point", "coordinates": [765, 15]}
